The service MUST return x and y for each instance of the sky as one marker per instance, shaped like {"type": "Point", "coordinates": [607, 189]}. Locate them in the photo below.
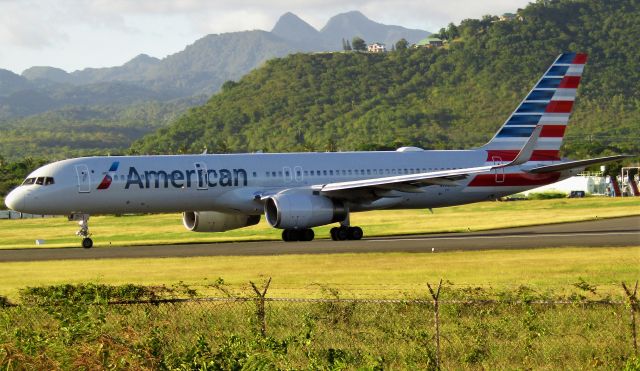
{"type": "Point", "coordinates": [75, 34]}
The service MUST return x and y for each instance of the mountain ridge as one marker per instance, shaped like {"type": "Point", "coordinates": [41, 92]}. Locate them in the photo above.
{"type": "Point", "coordinates": [200, 68]}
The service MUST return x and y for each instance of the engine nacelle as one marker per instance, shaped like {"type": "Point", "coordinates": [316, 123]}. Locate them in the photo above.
{"type": "Point", "coordinates": [214, 221]}
{"type": "Point", "coordinates": [302, 210]}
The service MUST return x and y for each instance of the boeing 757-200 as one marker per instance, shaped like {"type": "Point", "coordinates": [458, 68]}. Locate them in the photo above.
{"type": "Point", "coordinates": [298, 191]}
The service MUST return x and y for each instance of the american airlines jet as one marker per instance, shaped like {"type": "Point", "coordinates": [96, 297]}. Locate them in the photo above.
{"type": "Point", "coordinates": [298, 191]}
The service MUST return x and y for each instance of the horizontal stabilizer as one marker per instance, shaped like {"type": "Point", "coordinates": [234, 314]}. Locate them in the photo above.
{"type": "Point", "coordinates": [576, 164]}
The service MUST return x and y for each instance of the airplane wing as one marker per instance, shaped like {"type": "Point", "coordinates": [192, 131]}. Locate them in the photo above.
{"type": "Point", "coordinates": [413, 182]}
{"type": "Point", "coordinates": [575, 164]}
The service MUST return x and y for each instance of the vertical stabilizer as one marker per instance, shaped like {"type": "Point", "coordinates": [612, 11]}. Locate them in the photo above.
{"type": "Point", "coordinates": [549, 104]}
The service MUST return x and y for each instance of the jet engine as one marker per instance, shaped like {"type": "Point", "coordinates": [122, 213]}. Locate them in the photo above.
{"type": "Point", "coordinates": [214, 221]}
{"type": "Point", "coordinates": [302, 210]}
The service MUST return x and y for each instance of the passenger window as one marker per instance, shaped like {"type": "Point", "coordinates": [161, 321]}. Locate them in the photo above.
{"type": "Point", "coordinates": [344, 172]}
{"type": "Point", "coordinates": [48, 181]}
{"type": "Point", "coordinates": [297, 172]}
{"type": "Point", "coordinates": [312, 172]}
{"type": "Point", "coordinates": [306, 173]}
{"type": "Point", "coordinates": [368, 171]}
{"type": "Point", "coordinates": [286, 173]}
{"type": "Point", "coordinates": [324, 172]}
{"type": "Point", "coordinates": [40, 180]}
{"type": "Point", "coordinates": [267, 174]}
{"type": "Point", "coordinates": [255, 174]}
{"type": "Point", "coordinates": [330, 172]}
{"type": "Point", "coordinates": [273, 174]}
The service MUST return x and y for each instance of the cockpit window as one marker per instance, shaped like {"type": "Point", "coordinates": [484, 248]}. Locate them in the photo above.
{"type": "Point", "coordinates": [42, 180]}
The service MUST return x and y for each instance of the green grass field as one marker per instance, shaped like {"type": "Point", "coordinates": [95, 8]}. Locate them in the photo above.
{"type": "Point", "coordinates": [354, 275]}
{"type": "Point", "coordinates": [330, 335]}
{"type": "Point", "coordinates": [168, 229]}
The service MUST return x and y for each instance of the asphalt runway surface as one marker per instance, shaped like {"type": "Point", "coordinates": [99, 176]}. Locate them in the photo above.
{"type": "Point", "coordinates": [616, 232]}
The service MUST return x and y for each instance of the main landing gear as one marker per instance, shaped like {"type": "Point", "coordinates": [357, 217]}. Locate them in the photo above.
{"type": "Point", "coordinates": [83, 222]}
{"type": "Point", "coordinates": [290, 235]}
{"type": "Point", "coordinates": [346, 233]}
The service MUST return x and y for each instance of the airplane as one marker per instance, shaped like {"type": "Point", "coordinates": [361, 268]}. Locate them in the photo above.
{"type": "Point", "coordinates": [299, 191]}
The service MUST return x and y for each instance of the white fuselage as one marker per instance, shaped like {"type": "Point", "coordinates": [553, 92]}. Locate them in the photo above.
{"type": "Point", "coordinates": [232, 183]}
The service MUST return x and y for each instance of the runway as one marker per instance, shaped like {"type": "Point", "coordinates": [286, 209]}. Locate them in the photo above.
{"type": "Point", "coordinates": [615, 232]}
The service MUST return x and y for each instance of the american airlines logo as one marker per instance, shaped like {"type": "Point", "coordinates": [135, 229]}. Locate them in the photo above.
{"type": "Point", "coordinates": [106, 181]}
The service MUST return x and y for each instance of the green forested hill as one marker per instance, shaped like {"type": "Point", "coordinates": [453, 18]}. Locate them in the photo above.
{"type": "Point", "coordinates": [86, 130]}
{"type": "Point", "coordinates": [450, 97]}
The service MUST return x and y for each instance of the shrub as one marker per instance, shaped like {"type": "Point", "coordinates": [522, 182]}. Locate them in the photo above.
{"type": "Point", "coordinates": [4, 302]}
{"type": "Point", "coordinates": [546, 195]}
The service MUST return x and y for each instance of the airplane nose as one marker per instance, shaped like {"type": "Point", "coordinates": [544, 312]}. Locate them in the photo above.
{"type": "Point", "coordinates": [15, 200]}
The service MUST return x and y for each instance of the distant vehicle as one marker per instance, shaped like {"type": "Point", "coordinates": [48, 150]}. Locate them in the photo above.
{"type": "Point", "coordinates": [577, 194]}
{"type": "Point", "coordinates": [298, 191]}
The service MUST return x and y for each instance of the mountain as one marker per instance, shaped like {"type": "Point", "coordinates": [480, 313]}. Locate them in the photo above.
{"type": "Point", "coordinates": [439, 98]}
{"type": "Point", "coordinates": [350, 24]}
{"type": "Point", "coordinates": [186, 77]}
{"type": "Point", "coordinates": [200, 69]}
{"type": "Point", "coordinates": [11, 83]}
{"type": "Point", "coordinates": [290, 27]}
{"type": "Point", "coordinates": [52, 74]}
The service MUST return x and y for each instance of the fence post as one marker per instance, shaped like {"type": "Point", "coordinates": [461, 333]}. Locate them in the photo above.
{"type": "Point", "coordinates": [436, 310]}
{"type": "Point", "coordinates": [633, 304]}
{"type": "Point", "coordinates": [260, 310]}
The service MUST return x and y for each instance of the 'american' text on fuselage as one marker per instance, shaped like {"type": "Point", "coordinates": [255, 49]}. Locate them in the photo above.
{"type": "Point", "coordinates": [185, 178]}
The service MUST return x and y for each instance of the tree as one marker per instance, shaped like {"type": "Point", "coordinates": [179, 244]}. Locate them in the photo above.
{"type": "Point", "coordinates": [358, 44]}
{"type": "Point", "coordinates": [402, 44]}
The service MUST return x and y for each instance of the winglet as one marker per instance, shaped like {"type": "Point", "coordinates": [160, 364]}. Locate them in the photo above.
{"type": "Point", "coordinates": [527, 150]}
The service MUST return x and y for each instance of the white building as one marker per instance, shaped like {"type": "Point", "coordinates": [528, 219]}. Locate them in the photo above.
{"type": "Point", "coordinates": [376, 48]}
{"type": "Point", "coordinates": [589, 183]}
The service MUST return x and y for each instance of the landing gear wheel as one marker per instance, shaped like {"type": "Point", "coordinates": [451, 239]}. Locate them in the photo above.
{"type": "Point", "coordinates": [355, 233]}
{"type": "Point", "coordinates": [307, 234]}
{"type": "Point", "coordinates": [87, 243]}
{"type": "Point", "coordinates": [346, 233]}
{"type": "Point", "coordinates": [342, 234]}
{"type": "Point", "coordinates": [333, 232]}
{"type": "Point", "coordinates": [289, 235]}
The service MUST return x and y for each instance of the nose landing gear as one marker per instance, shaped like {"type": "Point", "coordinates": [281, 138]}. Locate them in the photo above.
{"type": "Point", "coordinates": [83, 222]}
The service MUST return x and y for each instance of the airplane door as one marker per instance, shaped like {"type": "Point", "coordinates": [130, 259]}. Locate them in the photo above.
{"type": "Point", "coordinates": [297, 173]}
{"type": "Point", "coordinates": [84, 178]}
{"type": "Point", "coordinates": [201, 175]}
{"type": "Point", "coordinates": [287, 174]}
{"type": "Point", "coordinates": [497, 160]}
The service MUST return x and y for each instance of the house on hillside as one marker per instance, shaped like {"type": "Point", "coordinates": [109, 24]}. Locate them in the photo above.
{"type": "Point", "coordinates": [429, 42]}
{"type": "Point", "coordinates": [510, 17]}
{"type": "Point", "coordinates": [376, 48]}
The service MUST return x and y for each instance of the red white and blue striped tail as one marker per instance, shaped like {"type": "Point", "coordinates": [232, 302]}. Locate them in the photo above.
{"type": "Point", "coordinates": [548, 104]}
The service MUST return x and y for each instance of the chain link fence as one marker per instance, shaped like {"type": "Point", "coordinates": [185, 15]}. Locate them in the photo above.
{"type": "Point", "coordinates": [441, 331]}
